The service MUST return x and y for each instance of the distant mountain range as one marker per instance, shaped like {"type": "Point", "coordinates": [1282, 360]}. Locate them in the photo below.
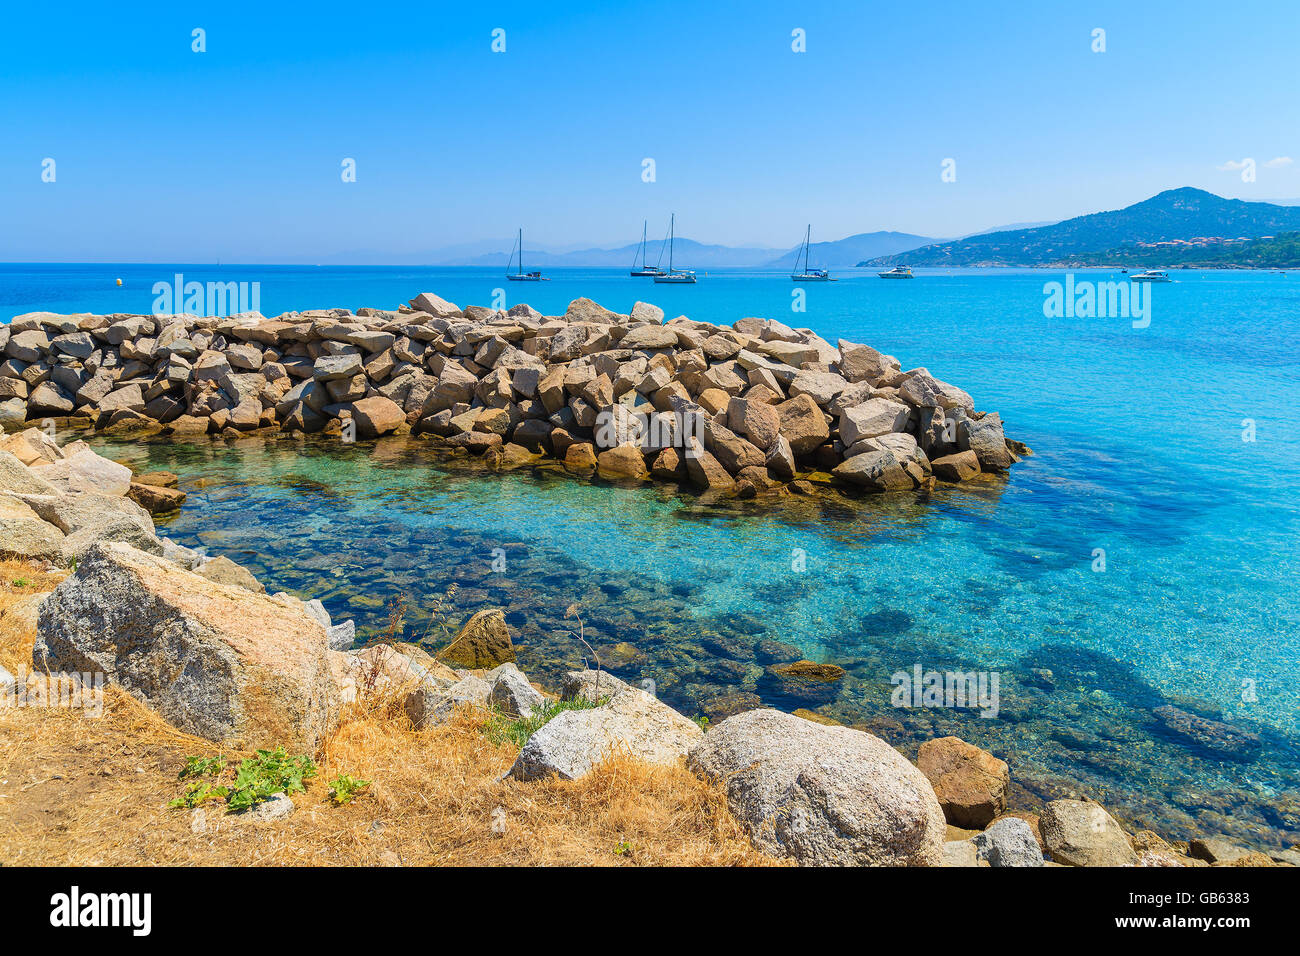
{"type": "Point", "coordinates": [1175, 214]}
{"type": "Point", "coordinates": [687, 254]}
{"type": "Point", "coordinates": [847, 252]}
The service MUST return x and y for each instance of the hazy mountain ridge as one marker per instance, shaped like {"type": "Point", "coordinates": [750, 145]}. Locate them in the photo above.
{"type": "Point", "coordinates": [687, 254]}
{"type": "Point", "coordinates": [849, 251]}
{"type": "Point", "coordinates": [1184, 213]}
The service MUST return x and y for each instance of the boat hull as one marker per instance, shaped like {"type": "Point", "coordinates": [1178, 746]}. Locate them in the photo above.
{"type": "Point", "coordinates": [645, 272]}
{"type": "Point", "coordinates": [810, 278]}
{"type": "Point", "coordinates": [517, 278]}
{"type": "Point", "coordinates": [675, 280]}
{"type": "Point", "coordinates": [890, 275]}
{"type": "Point", "coordinates": [1147, 279]}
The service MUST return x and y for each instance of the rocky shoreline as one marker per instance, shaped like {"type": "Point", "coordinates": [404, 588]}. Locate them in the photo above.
{"type": "Point", "coordinates": [754, 408]}
{"type": "Point", "coordinates": [200, 642]}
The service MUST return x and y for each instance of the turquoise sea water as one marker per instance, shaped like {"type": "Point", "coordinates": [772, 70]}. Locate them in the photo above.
{"type": "Point", "coordinates": [1138, 435]}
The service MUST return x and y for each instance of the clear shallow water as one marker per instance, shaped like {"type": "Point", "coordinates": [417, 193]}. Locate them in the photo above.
{"type": "Point", "coordinates": [1138, 435]}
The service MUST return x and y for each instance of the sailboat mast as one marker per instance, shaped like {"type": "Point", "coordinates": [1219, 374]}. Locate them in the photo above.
{"type": "Point", "coordinates": [672, 238]}
{"type": "Point", "coordinates": [521, 250]}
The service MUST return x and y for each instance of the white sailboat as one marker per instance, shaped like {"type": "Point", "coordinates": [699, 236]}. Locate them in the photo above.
{"type": "Point", "coordinates": [521, 275]}
{"type": "Point", "coordinates": [675, 276]}
{"type": "Point", "coordinates": [645, 270]}
{"type": "Point", "coordinates": [806, 274]}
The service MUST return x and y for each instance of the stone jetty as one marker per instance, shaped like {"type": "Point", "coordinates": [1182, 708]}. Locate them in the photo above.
{"type": "Point", "coordinates": [738, 410]}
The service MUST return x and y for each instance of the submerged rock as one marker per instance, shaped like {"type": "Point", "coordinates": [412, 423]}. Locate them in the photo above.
{"type": "Point", "coordinates": [807, 682]}
{"type": "Point", "coordinates": [810, 670]}
{"type": "Point", "coordinates": [825, 796]}
{"type": "Point", "coordinates": [483, 642]}
{"type": "Point", "coordinates": [1214, 735]}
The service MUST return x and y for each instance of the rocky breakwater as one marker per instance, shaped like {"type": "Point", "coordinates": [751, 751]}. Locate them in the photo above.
{"type": "Point", "coordinates": [743, 409]}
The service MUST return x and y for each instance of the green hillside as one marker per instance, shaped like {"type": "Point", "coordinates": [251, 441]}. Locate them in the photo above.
{"type": "Point", "coordinates": [1184, 213]}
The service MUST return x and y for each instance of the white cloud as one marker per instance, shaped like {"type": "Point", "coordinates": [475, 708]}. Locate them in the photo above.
{"type": "Point", "coordinates": [1278, 161]}
{"type": "Point", "coordinates": [1232, 165]}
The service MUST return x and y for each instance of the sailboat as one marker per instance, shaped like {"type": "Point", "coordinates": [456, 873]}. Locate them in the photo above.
{"type": "Point", "coordinates": [646, 270]}
{"type": "Point", "coordinates": [680, 276]}
{"type": "Point", "coordinates": [808, 275]}
{"type": "Point", "coordinates": [521, 275]}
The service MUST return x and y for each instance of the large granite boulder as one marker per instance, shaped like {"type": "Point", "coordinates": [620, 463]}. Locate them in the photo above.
{"type": "Point", "coordinates": [622, 463]}
{"type": "Point", "coordinates": [18, 478]}
{"type": "Point", "coordinates": [878, 471]}
{"type": "Point", "coordinates": [216, 661]}
{"type": "Point", "coordinates": [631, 722]}
{"type": "Point", "coordinates": [377, 416]}
{"type": "Point", "coordinates": [433, 701]}
{"type": "Point", "coordinates": [924, 390]}
{"type": "Point", "coordinates": [825, 796]}
{"type": "Point", "coordinates": [871, 419]}
{"type": "Point", "coordinates": [32, 447]}
{"type": "Point", "coordinates": [86, 518]}
{"type": "Point", "coordinates": [512, 694]}
{"type": "Point", "coordinates": [802, 424]}
{"type": "Point", "coordinates": [88, 471]}
{"type": "Point", "coordinates": [24, 535]}
{"type": "Point", "coordinates": [862, 363]}
{"type": "Point", "coordinates": [1008, 842]}
{"type": "Point", "coordinates": [985, 438]}
{"type": "Point", "coordinates": [758, 421]}
{"type": "Point", "coordinates": [222, 570]}
{"type": "Point", "coordinates": [434, 305]}
{"type": "Point", "coordinates": [1079, 833]}
{"type": "Point", "coordinates": [956, 467]}
{"type": "Point", "coordinates": [971, 784]}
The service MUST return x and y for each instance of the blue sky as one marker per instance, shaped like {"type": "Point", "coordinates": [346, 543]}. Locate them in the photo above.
{"type": "Point", "coordinates": [163, 154]}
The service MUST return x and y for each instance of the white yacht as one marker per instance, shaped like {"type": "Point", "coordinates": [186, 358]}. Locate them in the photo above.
{"type": "Point", "coordinates": [1151, 275]}
{"type": "Point", "coordinates": [898, 272]}
{"type": "Point", "coordinates": [521, 275]}
{"type": "Point", "coordinates": [645, 269]}
{"type": "Point", "coordinates": [806, 274]}
{"type": "Point", "coordinates": [674, 276]}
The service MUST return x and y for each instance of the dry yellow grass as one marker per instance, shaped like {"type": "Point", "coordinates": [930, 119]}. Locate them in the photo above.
{"type": "Point", "coordinates": [81, 791]}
